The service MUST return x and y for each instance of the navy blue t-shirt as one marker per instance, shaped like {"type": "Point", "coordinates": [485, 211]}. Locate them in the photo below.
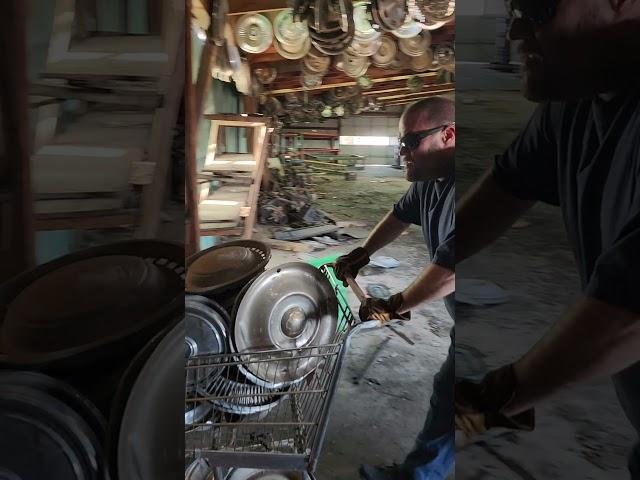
{"type": "Point", "coordinates": [584, 156]}
{"type": "Point", "coordinates": [431, 205]}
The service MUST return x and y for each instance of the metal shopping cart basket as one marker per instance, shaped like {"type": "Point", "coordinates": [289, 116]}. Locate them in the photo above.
{"type": "Point", "coordinates": [258, 426]}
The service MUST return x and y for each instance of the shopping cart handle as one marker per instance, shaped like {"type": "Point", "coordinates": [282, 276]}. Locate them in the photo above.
{"type": "Point", "coordinates": [363, 296]}
{"type": "Point", "coordinates": [355, 287]}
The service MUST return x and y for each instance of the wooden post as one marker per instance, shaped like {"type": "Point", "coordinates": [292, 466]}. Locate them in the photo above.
{"type": "Point", "coordinates": [203, 81]}
{"type": "Point", "coordinates": [17, 244]}
{"type": "Point", "coordinates": [192, 225]}
{"type": "Point", "coordinates": [160, 145]}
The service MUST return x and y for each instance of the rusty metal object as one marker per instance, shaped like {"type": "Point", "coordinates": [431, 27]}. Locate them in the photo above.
{"type": "Point", "coordinates": [266, 75]}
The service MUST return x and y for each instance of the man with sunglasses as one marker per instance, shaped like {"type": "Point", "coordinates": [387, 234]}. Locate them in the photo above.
{"type": "Point", "coordinates": [427, 141]}
{"type": "Point", "coordinates": [581, 152]}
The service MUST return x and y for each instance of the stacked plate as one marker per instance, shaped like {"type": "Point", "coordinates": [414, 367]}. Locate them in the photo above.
{"type": "Point", "coordinates": [291, 37]}
{"type": "Point", "coordinates": [400, 62]}
{"type": "Point", "coordinates": [423, 62]}
{"type": "Point", "coordinates": [366, 40]}
{"type": "Point", "coordinates": [352, 65]}
{"type": "Point", "coordinates": [437, 10]}
{"type": "Point", "coordinates": [331, 24]}
{"type": "Point", "coordinates": [417, 45]}
{"type": "Point", "coordinates": [253, 33]}
{"type": "Point", "coordinates": [408, 29]}
{"type": "Point", "coordinates": [386, 52]}
{"type": "Point", "coordinates": [389, 14]}
{"type": "Point", "coordinates": [315, 62]}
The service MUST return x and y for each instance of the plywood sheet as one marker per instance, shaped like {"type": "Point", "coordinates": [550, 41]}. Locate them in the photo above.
{"type": "Point", "coordinates": [216, 211]}
{"type": "Point", "coordinates": [73, 205]}
{"type": "Point", "coordinates": [231, 193]}
{"type": "Point", "coordinates": [82, 168]}
{"type": "Point", "coordinates": [115, 129]}
{"type": "Point", "coordinates": [230, 162]}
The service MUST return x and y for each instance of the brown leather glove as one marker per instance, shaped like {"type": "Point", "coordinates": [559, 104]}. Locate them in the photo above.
{"type": "Point", "coordinates": [478, 405]}
{"type": "Point", "coordinates": [351, 263]}
{"type": "Point", "coordinates": [382, 310]}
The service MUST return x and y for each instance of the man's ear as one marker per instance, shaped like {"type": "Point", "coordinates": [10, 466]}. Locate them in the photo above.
{"type": "Point", "coordinates": [449, 134]}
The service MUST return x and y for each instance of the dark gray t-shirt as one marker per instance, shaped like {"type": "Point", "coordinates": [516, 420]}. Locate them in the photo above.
{"type": "Point", "coordinates": [584, 157]}
{"type": "Point", "coordinates": [431, 205]}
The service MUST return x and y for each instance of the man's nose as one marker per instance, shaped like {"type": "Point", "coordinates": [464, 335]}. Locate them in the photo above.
{"type": "Point", "coordinates": [520, 29]}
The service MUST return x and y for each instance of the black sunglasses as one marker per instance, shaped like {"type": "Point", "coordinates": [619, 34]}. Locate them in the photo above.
{"type": "Point", "coordinates": [537, 12]}
{"type": "Point", "coordinates": [412, 140]}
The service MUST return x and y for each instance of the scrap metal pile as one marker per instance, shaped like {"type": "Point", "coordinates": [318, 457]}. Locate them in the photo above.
{"type": "Point", "coordinates": [290, 201]}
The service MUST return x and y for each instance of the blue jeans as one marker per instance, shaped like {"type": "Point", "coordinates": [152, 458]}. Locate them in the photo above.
{"type": "Point", "coordinates": [433, 455]}
{"type": "Point", "coordinates": [627, 385]}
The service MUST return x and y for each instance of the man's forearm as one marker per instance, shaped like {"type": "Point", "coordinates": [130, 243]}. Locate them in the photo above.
{"type": "Point", "coordinates": [592, 340]}
{"type": "Point", "coordinates": [434, 283]}
{"type": "Point", "coordinates": [385, 232]}
{"type": "Point", "coordinates": [483, 214]}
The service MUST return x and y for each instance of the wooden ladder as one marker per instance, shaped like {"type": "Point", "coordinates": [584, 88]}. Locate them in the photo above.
{"type": "Point", "coordinates": [231, 209]}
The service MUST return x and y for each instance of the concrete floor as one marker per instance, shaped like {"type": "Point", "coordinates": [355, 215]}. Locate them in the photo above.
{"type": "Point", "coordinates": [376, 421]}
{"type": "Point", "coordinates": [581, 433]}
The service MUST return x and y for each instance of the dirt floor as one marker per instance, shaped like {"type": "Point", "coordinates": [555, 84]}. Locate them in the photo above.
{"type": "Point", "coordinates": [377, 420]}
{"type": "Point", "coordinates": [581, 433]}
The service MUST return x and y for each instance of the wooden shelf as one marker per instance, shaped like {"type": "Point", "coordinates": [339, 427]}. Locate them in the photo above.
{"type": "Point", "coordinates": [238, 120]}
{"type": "Point", "coordinates": [85, 221]}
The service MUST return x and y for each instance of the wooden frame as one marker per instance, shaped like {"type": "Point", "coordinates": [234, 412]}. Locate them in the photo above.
{"type": "Point", "coordinates": [260, 150]}
{"type": "Point", "coordinates": [145, 72]}
{"type": "Point", "coordinates": [127, 55]}
{"type": "Point", "coordinates": [17, 236]}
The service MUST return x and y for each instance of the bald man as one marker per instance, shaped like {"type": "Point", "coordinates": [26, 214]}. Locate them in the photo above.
{"type": "Point", "coordinates": [428, 137]}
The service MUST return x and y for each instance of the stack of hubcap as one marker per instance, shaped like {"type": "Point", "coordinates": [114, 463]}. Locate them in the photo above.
{"type": "Point", "coordinates": [366, 40]}
{"type": "Point", "coordinates": [254, 33]}
{"type": "Point", "coordinates": [291, 38]}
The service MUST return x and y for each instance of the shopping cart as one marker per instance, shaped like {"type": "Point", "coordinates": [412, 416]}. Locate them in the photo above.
{"type": "Point", "coordinates": [261, 424]}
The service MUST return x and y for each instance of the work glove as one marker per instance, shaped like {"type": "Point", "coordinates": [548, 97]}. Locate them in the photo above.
{"type": "Point", "coordinates": [381, 310]}
{"type": "Point", "coordinates": [350, 264]}
{"type": "Point", "coordinates": [478, 406]}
